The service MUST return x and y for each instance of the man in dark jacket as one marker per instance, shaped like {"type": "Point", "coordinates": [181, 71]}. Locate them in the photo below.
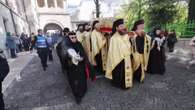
{"type": "Point", "coordinates": [4, 70]}
{"type": "Point", "coordinates": [42, 48]}
{"type": "Point", "coordinates": [62, 39]}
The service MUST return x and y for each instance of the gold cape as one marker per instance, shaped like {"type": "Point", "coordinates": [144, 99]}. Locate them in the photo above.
{"type": "Point", "coordinates": [80, 37]}
{"type": "Point", "coordinates": [87, 44]}
{"type": "Point", "coordinates": [120, 49]}
{"type": "Point", "coordinates": [141, 59]}
{"type": "Point", "coordinates": [98, 43]}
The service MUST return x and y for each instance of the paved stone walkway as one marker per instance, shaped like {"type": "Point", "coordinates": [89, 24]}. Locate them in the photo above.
{"type": "Point", "coordinates": [39, 90]}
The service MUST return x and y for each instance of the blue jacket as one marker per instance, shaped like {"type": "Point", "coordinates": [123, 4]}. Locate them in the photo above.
{"type": "Point", "coordinates": [41, 42]}
{"type": "Point", "coordinates": [10, 42]}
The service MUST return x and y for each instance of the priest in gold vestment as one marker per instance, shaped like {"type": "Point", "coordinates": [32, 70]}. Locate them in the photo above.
{"type": "Point", "coordinates": [119, 64]}
{"type": "Point", "coordinates": [87, 41]}
{"type": "Point", "coordinates": [141, 44]}
{"type": "Point", "coordinates": [98, 48]}
{"type": "Point", "coordinates": [80, 33]}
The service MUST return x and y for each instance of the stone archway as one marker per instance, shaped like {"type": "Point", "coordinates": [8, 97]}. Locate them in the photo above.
{"type": "Point", "coordinates": [52, 27]}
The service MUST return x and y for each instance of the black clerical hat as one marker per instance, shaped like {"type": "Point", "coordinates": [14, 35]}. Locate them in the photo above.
{"type": "Point", "coordinates": [116, 24]}
{"type": "Point", "coordinates": [141, 21]}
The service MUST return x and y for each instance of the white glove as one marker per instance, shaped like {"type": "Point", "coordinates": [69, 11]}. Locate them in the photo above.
{"type": "Point", "coordinates": [71, 52]}
{"type": "Point", "coordinates": [76, 58]}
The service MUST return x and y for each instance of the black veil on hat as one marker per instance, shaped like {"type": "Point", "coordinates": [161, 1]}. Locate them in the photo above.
{"type": "Point", "coordinates": [155, 29]}
{"type": "Point", "coordinates": [141, 21]}
{"type": "Point", "coordinates": [116, 24]}
{"type": "Point", "coordinates": [94, 23]}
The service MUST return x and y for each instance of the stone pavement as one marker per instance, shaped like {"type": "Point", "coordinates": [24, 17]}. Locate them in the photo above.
{"type": "Point", "coordinates": [39, 90]}
{"type": "Point", "coordinates": [16, 66]}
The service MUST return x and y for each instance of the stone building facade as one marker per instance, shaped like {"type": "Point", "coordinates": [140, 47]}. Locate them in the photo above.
{"type": "Point", "coordinates": [53, 15]}
{"type": "Point", "coordinates": [17, 16]}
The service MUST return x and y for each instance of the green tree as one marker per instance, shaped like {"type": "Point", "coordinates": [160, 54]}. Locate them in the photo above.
{"type": "Point", "coordinates": [191, 10]}
{"type": "Point", "coordinates": [161, 12]}
{"type": "Point", "coordinates": [136, 9]}
{"type": "Point", "coordinates": [182, 12]}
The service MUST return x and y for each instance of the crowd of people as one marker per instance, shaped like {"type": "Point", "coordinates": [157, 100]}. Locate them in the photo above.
{"type": "Point", "coordinates": [23, 43]}
{"type": "Point", "coordinates": [119, 55]}
{"type": "Point", "coordinates": [16, 43]}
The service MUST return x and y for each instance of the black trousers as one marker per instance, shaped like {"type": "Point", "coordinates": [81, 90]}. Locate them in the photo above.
{"type": "Point", "coordinates": [43, 53]}
{"type": "Point", "coordinates": [1, 98]}
{"type": "Point", "coordinates": [50, 55]}
{"type": "Point", "coordinates": [13, 53]}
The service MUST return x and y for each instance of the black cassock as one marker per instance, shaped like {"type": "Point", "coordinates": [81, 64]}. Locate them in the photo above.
{"type": "Point", "coordinates": [76, 73]}
{"type": "Point", "coordinates": [118, 75]}
{"type": "Point", "coordinates": [140, 49]}
{"type": "Point", "coordinates": [156, 63]}
{"type": "Point", "coordinates": [99, 67]}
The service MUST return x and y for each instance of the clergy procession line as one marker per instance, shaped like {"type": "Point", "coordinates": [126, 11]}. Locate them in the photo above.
{"type": "Point", "coordinates": [103, 48]}
{"type": "Point", "coordinates": [112, 51]}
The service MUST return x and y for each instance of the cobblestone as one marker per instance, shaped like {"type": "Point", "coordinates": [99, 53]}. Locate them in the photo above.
{"type": "Point", "coordinates": [39, 90]}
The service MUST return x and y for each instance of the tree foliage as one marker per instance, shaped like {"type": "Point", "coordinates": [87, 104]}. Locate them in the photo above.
{"type": "Point", "coordinates": [133, 11]}
{"type": "Point", "coordinates": [155, 12]}
{"type": "Point", "coordinates": [161, 12]}
{"type": "Point", "coordinates": [191, 13]}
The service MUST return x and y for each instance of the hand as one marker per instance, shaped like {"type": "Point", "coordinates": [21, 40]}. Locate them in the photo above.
{"type": "Point", "coordinates": [78, 57]}
{"type": "Point", "coordinates": [132, 34]}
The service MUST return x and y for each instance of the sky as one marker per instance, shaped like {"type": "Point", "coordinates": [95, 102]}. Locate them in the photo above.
{"type": "Point", "coordinates": [87, 7]}
{"type": "Point", "coordinates": [77, 2]}
{"type": "Point", "coordinates": [73, 2]}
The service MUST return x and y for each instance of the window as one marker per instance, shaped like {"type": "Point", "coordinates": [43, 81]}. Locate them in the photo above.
{"type": "Point", "coordinates": [50, 3]}
{"type": "Point", "coordinates": [5, 24]}
{"type": "Point", "coordinates": [40, 3]}
{"type": "Point", "coordinates": [60, 3]}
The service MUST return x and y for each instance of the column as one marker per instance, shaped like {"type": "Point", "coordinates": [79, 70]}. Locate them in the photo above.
{"type": "Point", "coordinates": [55, 4]}
{"type": "Point", "coordinates": [46, 5]}
{"type": "Point", "coordinates": [64, 2]}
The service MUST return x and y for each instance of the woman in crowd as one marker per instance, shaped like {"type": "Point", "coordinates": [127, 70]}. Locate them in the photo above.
{"type": "Point", "coordinates": [156, 64]}
{"type": "Point", "coordinates": [171, 40]}
{"type": "Point", "coordinates": [11, 44]}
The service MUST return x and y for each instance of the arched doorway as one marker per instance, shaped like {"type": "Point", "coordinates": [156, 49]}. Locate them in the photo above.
{"type": "Point", "coordinates": [52, 27]}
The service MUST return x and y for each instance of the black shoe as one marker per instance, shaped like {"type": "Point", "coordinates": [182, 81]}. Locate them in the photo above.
{"type": "Point", "coordinates": [78, 100]}
{"type": "Point", "coordinates": [44, 68]}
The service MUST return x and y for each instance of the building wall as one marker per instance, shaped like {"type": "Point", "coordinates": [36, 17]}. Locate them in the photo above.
{"type": "Point", "coordinates": [19, 10]}
{"type": "Point", "coordinates": [56, 14]}
{"type": "Point", "coordinates": [28, 17]}
{"type": "Point", "coordinates": [32, 16]}
{"type": "Point", "coordinates": [5, 17]}
{"type": "Point", "coordinates": [61, 20]}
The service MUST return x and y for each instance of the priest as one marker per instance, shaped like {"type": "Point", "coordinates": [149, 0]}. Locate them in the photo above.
{"type": "Point", "coordinates": [119, 66]}
{"type": "Point", "coordinates": [80, 33]}
{"type": "Point", "coordinates": [87, 41]}
{"type": "Point", "coordinates": [141, 43]}
{"type": "Point", "coordinates": [99, 48]}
